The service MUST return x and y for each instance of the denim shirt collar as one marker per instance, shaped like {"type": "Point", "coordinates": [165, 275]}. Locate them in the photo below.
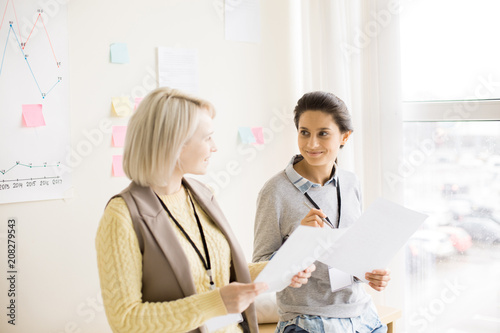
{"type": "Point", "coordinates": [302, 183]}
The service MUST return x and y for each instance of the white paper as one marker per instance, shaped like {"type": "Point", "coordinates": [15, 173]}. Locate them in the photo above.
{"type": "Point", "coordinates": [374, 239]}
{"type": "Point", "coordinates": [242, 20]}
{"type": "Point", "coordinates": [339, 279]}
{"type": "Point", "coordinates": [178, 68]}
{"type": "Point", "coordinates": [216, 323]}
{"type": "Point", "coordinates": [36, 163]}
{"type": "Point", "coordinates": [304, 246]}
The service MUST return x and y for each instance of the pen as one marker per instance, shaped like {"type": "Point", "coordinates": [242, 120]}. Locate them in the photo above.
{"type": "Point", "coordinates": [323, 219]}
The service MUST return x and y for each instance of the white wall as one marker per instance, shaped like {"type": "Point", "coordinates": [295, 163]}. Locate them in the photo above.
{"type": "Point", "coordinates": [250, 85]}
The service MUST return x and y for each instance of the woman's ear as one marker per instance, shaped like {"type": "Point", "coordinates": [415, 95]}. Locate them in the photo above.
{"type": "Point", "coordinates": [345, 136]}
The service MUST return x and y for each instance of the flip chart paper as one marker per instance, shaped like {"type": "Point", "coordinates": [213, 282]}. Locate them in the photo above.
{"type": "Point", "coordinates": [304, 246]}
{"type": "Point", "coordinates": [119, 53]}
{"type": "Point", "coordinates": [118, 166]}
{"type": "Point", "coordinates": [178, 68]}
{"type": "Point", "coordinates": [121, 106]}
{"type": "Point", "coordinates": [246, 135]}
{"type": "Point", "coordinates": [32, 115]}
{"type": "Point", "coordinates": [374, 239]}
{"type": "Point", "coordinates": [119, 133]}
{"type": "Point", "coordinates": [258, 135]}
{"type": "Point", "coordinates": [242, 20]}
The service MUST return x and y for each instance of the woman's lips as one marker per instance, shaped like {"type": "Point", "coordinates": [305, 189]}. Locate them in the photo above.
{"type": "Point", "coordinates": [314, 153]}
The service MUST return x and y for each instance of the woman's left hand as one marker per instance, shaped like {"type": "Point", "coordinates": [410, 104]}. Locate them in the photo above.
{"type": "Point", "coordinates": [302, 277]}
{"type": "Point", "coordinates": [378, 279]}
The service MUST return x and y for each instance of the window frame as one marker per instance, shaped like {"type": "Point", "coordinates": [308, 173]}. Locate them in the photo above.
{"type": "Point", "coordinates": [465, 110]}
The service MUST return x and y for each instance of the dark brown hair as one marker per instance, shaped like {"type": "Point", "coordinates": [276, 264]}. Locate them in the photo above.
{"type": "Point", "coordinates": [325, 102]}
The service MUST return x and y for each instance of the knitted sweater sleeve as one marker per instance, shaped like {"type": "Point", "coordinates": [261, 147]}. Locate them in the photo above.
{"type": "Point", "coordinates": [120, 270]}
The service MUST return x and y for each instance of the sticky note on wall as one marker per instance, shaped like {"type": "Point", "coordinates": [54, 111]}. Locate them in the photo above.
{"type": "Point", "coordinates": [137, 101]}
{"type": "Point", "coordinates": [246, 135]}
{"type": "Point", "coordinates": [33, 115]}
{"type": "Point", "coordinates": [118, 53]}
{"type": "Point", "coordinates": [121, 106]}
{"type": "Point", "coordinates": [118, 166]}
{"type": "Point", "coordinates": [258, 135]}
{"type": "Point", "coordinates": [119, 133]}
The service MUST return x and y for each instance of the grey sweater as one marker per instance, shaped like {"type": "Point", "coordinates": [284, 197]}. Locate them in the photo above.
{"type": "Point", "coordinates": [279, 212]}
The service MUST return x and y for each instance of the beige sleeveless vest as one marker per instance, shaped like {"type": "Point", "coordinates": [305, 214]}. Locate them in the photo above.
{"type": "Point", "coordinates": [166, 276]}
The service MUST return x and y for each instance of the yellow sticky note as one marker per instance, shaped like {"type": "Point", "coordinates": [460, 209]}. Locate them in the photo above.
{"type": "Point", "coordinates": [121, 106]}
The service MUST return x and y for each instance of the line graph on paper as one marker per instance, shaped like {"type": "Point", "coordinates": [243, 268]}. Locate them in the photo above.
{"type": "Point", "coordinates": [33, 76]}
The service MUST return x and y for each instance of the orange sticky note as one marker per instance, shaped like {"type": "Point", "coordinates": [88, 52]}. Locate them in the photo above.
{"type": "Point", "coordinates": [119, 133]}
{"type": "Point", "coordinates": [137, 101]}
{"type": "Point", "coordinates": [32, 115]}
{"type": "Point", "coordinates": [118, 166]}
{"type": "Point", "coordinates": [259, 135]}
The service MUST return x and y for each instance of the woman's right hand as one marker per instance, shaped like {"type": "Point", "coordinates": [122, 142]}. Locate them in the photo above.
{"type": "Point", "coordinates": [237, 297]}
{"type": "Point", "coordinates": [313, 219]}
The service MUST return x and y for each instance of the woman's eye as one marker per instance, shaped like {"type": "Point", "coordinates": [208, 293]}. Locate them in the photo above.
{"type": "Point", "coordinates": [323, 133]}
{"type": "Point", "coordinates": [304, 133]}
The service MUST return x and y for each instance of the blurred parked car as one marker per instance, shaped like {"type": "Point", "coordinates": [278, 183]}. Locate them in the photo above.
{"type": "Point", "coordinates": [460, 239]}
{"type": "Point", "coordinates": [431, 241]}
{"type": "Point", "coordinates": [481, 229]}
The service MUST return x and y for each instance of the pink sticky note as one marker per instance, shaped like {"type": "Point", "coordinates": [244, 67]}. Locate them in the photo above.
{"type": "Point", "coordinates": [137, 101]}
{"type": "Point", "coordinates": [32, 115]}
{"type": "Point", "coordinates": [118, 166]}
{"type": "Point", "coordinates": [119, 133]}
{"type": "Point", "coordinates": [259, 135]}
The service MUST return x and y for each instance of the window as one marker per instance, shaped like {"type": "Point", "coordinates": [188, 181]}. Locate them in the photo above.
{"type": "Point", "coordinates": [451, 167]}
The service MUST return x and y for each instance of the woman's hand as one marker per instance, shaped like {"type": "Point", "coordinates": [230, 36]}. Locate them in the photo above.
{"type": "Point", "coordinates": [313, 219]}
{"type": "Point", "coordinates": [238, 296]}
{"type": "Point", "coordinates": [378, 279]}
{"type": "Point", "coordinates": [302, 277]}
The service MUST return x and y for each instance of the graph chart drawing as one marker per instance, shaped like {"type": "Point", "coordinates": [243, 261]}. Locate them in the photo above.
{"type": "Point", "coordinates": [33, 71]}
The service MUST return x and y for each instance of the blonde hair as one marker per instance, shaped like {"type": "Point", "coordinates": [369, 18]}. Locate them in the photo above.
{"type": "Point", "coordinates": [163, 122]}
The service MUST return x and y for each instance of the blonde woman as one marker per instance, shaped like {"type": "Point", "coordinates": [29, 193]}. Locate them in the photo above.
{"type": "Point", "coordinates": [167, 258]}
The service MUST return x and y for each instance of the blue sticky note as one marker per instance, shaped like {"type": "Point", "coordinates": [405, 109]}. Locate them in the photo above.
{"type": "Point", "coordinates": [119, 53]}
{"type": "Point", "coordinates": [246, 135]}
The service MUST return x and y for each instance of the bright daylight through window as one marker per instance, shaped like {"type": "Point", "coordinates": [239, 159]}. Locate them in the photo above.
{"type": "Point", "coordinates": [451, 167]}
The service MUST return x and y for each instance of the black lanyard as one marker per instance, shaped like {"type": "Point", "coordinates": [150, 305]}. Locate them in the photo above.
{"type": "Point", "coordinates": [206, 264]}
{"type": "Point", "coordinates": [339, 203]}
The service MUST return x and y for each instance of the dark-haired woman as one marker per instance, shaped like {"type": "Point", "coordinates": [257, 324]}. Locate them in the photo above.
{"type": "Point", "coordinates": [324, 126]}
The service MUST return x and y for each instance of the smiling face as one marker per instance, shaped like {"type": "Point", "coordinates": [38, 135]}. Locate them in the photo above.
{"type": "Point", "coordinates": [319, 138]}
{"type": "Point", "coordinates": [197, 151]}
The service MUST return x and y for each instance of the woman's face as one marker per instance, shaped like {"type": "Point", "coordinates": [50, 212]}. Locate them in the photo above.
{"type": "Point", "coordinates": [319, 138]}
{"type": "Point", "coordinates": [196, 152]}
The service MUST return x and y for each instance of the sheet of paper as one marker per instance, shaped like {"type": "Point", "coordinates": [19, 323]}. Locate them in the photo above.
{"type": "Point", "coordinates": [33, 115]}
{"type": "Point", "coordinates": [259, 135]}
{"type": "Point", "coordinates": [121, 106]}
{"type": "Point", "coordinates": [304, 246]}
{"type": "Point", "coordinates": [178, 68]}
{"type": "Point", "coordinates": [119, 133]}
{"type": "Point", "coordinates": [339, 279]}
{"type": "Point", "coordinates": [242, 20]}
{"type": "Point", "coordinates": [246, 135]}
{"type": "Point", "coordinates": [222, 321]}
{"type": "Point", "coordinates": [118, 166]}
{"type": "Point", "coordinates": [118, 53]}
{"type": "Point", "coordinates": [374, 239]}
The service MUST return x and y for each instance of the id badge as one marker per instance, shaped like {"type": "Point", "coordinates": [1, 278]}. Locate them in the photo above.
{"type": "Point", "coordinates": [339, 279]}
{"type": "Point", "coordinates": [216, 323]}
